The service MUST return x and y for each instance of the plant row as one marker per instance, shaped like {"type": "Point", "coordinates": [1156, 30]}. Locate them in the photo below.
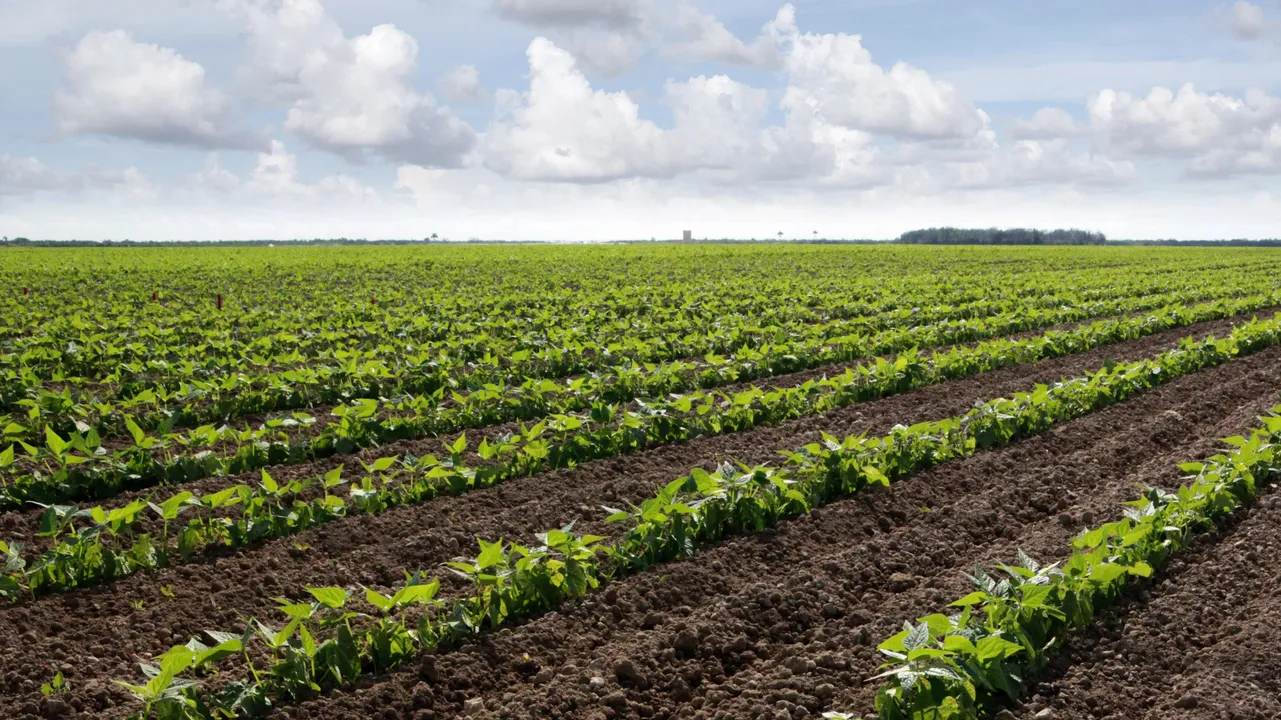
{"type": "Point", "coordinates": [965, 664]}
{"type": "Point", "coordinates": [80, 344]}
{"type": "Point", "coordinates": [333, 636]}
{"type": "Point", "coordinates": [184, 394]}
{"type": "Point", "coordinates": [79, 467]}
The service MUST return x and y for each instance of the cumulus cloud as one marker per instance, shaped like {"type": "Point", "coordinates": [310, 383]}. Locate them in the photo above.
{"type": "Point", "coordinates": [1220, 134]}
{"type": "Point", "coordinates": [609, 52]}
{"type": "Point", "coordinates": [563, 129]}
{"type": "Point", "coordinates": [462, 84]}
{"type": "Point", "coordinates": [275, 178]}
{"type": "Point", "coordinates": [607, 37]}
{"type": "Point", "coordinates": [22, 176]}
{"type": "Point", "coordinates": [717, 121]}
{"type": "Point", "coordinates": [706, 38]}
{"type": "Point", "coordinates": [118, 86]}
{"type": "Point", "coordinates": [29, 176]}
{"type": "Point", "coordinates": [835, 74]}
{"type": "Point", "coordinates": [128, 184]}
{"type": "Point", "coordinates": [609, 14]}
{"type": "Point", "coordinates": [922, 134]}
{"type": "Point", "coordinates": [1048, 124]}
{"type": "Point", "coordinates": [1246, 20]}
{"type": "Point", "coordinates": [351, 96]}
{"type": "Point", "coordinates": [1042, 161]}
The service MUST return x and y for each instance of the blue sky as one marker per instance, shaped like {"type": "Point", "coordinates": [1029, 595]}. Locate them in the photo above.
{"type": "Point", "coordinates": [602, 119]}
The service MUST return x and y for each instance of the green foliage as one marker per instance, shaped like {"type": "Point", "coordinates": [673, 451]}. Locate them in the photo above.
{"type": "Point", "coordinates": [948, 664]}
{"type": "Point", "coordinates": [957, 666]}
{"type": "Point", "coordinates": [171, 382]}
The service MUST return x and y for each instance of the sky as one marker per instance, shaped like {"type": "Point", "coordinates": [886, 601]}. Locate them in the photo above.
{"type": "Point", "coordinates": [579, 120]}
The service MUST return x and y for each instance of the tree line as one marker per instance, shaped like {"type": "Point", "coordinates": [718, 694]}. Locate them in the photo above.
{"type": "Point", "coordinates": [996, 236]}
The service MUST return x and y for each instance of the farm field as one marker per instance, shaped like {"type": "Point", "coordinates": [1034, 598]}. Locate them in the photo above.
{"type": "Point", "coordinates": [658, 481]}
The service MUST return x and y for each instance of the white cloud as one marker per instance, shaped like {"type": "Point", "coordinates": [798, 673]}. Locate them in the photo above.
{"type": "Point", "coordinates": [1221, 134]}
{"type": "Point", "coordinates": [717, 121]}
{"type": "Point", "coordinates": [118, 86]}
{"type": "Point", "coordinates": [1047, 124]}
{"type": "Point", "coordinates": [127, 185]}
{"type": "Point", "coordinates": [835, 73]}
{"type": "Point", "coordinates": [706, 38]}
{"type": "Point", "coordinates": [609, 52]}
{"type": "Point", "coordinates": [350, 95]}
{"type": "Point", "coordinates": [1043, 161]}
{"type": "Point", "coordinates": [1073, 81]}
{"type": "Point", "coordinates": [20, 176]}
{"type": "Point", "coordinates": [276, 178]}
{"type": "Point", "coordinates": [609, 14]}
{"type": "Point", "coordinates": [1246, 20]}
{"type": "Point", "coordinates": [607, 37]}
{"type": "Point", "coordinates": [562, 129]}
{"type": "Point", "coordinates": [462, 84]}
{"type": "Point", "coordinates": [28, 176]}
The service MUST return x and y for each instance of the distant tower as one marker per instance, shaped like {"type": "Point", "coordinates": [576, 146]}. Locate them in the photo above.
{"type": "Point", "coordinates": [689, 235]}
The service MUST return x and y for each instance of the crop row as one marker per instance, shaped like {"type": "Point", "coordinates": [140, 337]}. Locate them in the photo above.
{"type": "Point", "coordinates": [83, 346]}
{"type": "Point", "coordinates": [68, 469]}
{"type": "Point", "coordinates": [168, 364]}
{"type": "Point", "coordinates": [183, 392]}
{"type": "Point", "coordinates": [496, 394]}
{"type": "Point", "coordinates": [76, 292]}
{"type": "Point", "coordinates": [1001, 635]}
{"type": "Point", "coordinates": [96, 544]}
{"type": "Point", "coordinates": [328, 642]}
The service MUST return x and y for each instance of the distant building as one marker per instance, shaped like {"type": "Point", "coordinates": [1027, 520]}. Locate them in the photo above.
{"type": "Point", "coordinates": [689, 235]}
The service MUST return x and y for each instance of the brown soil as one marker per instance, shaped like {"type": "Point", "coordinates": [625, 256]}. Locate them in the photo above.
{"type": "Point", "coordinates": [784, 624]}
{"type": "Point", "coordinates": [97, 634]}
{"type": "Point", "coordinates": [324, 418]}
{"type": "Point", "coordinates": [20, 526]}
{"type": "Point", "coordinates": [1200, 643]}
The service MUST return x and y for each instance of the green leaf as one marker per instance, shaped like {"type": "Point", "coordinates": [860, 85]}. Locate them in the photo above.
{"type": "Point", "coordinates": [229, 646]}
{"type": "Point", "coordinates": [993, 647]}
{"type": "Point", "coordinates": [491, 554]}
{"type": "Point", "coordinates": [411, 594]}
{"type": "Point", "coordinates": [219, 498]}
{"type": "Point", "coordinates": [876, 476]}
{"type": "Point", "coordinates": [138, 435]}
{"type": "Point", "coordinates": [1106, 573]}
{"type": "Point", "coordinates": [268, 483]}
{"type": "Point", "coordinates": [330, 597]}
{"type": "Point", "coordinates": [378, 600]}
{"type": "Point", "coordinates": [977, 597]}
{"type": "Point", "coordinates": [53, 441]}
{"type": "Point", "coordinates": [960, 643]}
{"type": "Point", "coordinates": [1034, 596]}
{"type": "Point", "coordinates": [917, 638]}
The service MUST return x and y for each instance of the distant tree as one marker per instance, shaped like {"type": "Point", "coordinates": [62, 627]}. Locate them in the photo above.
{"type": "Point", "coordinates": [995, 236]}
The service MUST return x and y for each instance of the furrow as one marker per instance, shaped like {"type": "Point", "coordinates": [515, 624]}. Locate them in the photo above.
{"type": "Point", "coordinates": [790, 618]}
{"type": "Point", "coordinates": [107, 632]}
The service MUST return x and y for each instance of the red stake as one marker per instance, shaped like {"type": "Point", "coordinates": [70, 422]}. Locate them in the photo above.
{"type": "Point", "coordinates": [153, 297]}
{"type": "Point", "coordinates": [220, 301]}
{"type": "Point", "coordinates": [373, 300]}
{"type": "Point", "coordinates": [26, 291]}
